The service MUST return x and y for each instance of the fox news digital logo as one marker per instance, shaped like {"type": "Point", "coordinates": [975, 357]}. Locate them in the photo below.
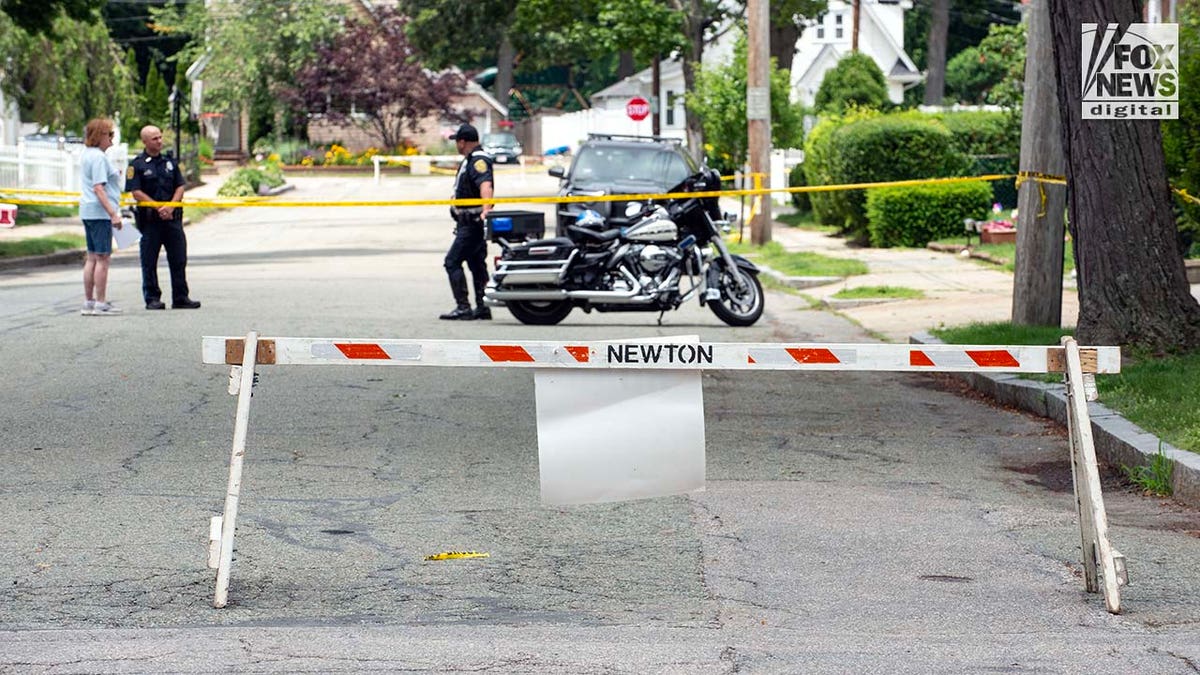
{"type": "Point", "coordinates": [1133, 75]}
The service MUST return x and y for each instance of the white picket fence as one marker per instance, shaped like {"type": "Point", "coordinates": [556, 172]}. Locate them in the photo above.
{"type": "Point", "coordinates": [34, 166]}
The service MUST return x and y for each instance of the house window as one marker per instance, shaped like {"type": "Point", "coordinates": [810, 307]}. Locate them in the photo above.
{"type": "Point", "coordinates": [821, 29]}
{"type": "Point", "coordinates": [837, 21]}
{"type": "Point", "coordinates": [670, 108]}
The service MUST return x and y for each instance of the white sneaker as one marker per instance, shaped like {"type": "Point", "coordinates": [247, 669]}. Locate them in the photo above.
{"type": "Point", "coordinates": [89, 308]}
{"type": "Point", "coordinates": [104, 309]}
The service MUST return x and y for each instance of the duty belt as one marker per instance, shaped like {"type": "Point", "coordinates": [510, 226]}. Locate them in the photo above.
{"type": "Point", "coordinates": [470, 210]}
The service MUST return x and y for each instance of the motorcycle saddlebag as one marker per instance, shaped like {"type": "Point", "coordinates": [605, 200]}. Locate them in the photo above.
{"type": "Point", "coordinates": [537, 262]}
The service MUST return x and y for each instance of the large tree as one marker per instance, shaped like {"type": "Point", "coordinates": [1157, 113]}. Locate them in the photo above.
{"type": "Point", "coordinates": [467, 35]}
{"type": "Point", "coordinates": [252, 46]}
{"type": "Point", "coordinates": [370, 75]}
{"type": "Point", "coordinates": [66, 76]}
{"type": "Point", "coordinates": [1133, 290]}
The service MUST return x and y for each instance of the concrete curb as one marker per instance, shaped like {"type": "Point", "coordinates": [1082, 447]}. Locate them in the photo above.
{"type": "Point", "coordinates": [1118, 441]}
{"type": "Point", "coordinates": [72, 256]}
{"type": "Point", "coordinates": [796, 282]}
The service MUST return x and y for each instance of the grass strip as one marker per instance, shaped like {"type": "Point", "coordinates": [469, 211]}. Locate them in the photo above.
{"type": "Point", "coordinates": [872, 292]}
{"type": "Point", "coordinates": [799, 263]}
{"type": "Point", "coordinates": [1158, 393]}
{"type": "Point", "coordinates": [41, 245]}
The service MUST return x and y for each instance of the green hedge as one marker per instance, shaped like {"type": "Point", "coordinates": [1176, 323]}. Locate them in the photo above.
{"type": "Point", "coordinates": [800, 200]}
{"type": "Point", "coordinates": [889, 148]}
{"type": "Point", "coordinates": [828, 207]}
{"type": "Point", "coordinates": [914, 216]}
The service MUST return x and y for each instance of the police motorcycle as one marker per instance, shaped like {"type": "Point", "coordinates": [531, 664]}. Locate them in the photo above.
{"type": "Point", "coordinates": [672, 252]}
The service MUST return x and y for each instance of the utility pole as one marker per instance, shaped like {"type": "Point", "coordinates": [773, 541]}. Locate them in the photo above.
{"type": "Point", "coordinates": [758, 114]}
{"type": "Point", "coordinates": [655, 103]}
{"type": "Point", "coordinates": [1037, 284]}
{"type": "Point", "coordinates": [854, 27]}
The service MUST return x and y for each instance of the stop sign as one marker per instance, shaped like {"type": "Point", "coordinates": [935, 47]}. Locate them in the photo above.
{"type": "Point", "coordinates": [638, 108]}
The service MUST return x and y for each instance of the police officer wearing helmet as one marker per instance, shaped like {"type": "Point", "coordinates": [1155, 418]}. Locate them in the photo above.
{"type": "Point", "coordinates": [474, 181]}
{"type": "Point", "coordinates": [154, 177]}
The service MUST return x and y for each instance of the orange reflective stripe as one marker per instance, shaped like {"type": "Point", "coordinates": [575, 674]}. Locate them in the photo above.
{"type": "Point", "coordinates": [362, 351]}
{"type": "Point", "coordinates": [812, 355]}
{"type": "Point", "coordinates": [501, 353]}
{"type": "Point", "coordinates": [919, 358]}
{"type": "Point", "coordinates": [993, 358]}
{"type": "Point", "coordinates": [580, 353]}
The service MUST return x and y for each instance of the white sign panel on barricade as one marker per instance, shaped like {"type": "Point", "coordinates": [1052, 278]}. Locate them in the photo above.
{"type": "Point", "coordinates": [606, 436]}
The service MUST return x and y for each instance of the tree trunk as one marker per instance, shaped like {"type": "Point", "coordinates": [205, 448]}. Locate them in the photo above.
{"type": "Point", "coordinates": [694, 22]}
{"type": "Point", "coordinates": [505, 55]}
{"type": "Point", "coordinates": [1037, 284]}
{"type": "Point", "coordinates": [625, 64]}
{"type": "Point", "coordinates": [1132, 286]}
{"type": "Point", "coordinates": [939, 28]}
{"type": "Point", "coordinates": [783, 44]}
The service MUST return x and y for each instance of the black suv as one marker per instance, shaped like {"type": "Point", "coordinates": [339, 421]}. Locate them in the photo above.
{"type": "Point", "coordinates": [609, 164]}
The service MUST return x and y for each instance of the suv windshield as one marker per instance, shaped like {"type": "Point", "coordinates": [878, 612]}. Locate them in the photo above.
{"type": "Point", "coordinates": [623, 163]}
{"type": "Point", "coordinates": [502, 140]}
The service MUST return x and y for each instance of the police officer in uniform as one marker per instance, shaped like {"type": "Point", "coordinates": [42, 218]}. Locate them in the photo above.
{"type": "Point", "coordinates": [474, 181]}
{"type": "Point", "coordinates": [153, 177]}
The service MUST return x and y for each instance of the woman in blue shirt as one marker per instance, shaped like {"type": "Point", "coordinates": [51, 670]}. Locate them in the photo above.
{"type": "Point", "coordinates": [100, 210]}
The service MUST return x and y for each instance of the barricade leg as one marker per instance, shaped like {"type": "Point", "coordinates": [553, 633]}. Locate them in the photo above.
{"type": "Point", "coordinates": [1099, 557]}
{"type": "Point", "coordinates": [241, 422]}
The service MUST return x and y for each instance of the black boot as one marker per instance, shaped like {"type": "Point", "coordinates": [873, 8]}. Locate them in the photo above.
{"type": "Point", "coordinates": [483, 313]}
{"type": "Point", "coordinates": [459, 314]}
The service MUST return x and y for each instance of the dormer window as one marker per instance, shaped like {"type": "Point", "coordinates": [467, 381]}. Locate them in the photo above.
{"type": "Point", "coordinates": [821, 29]}
{"type": "Point", "coordinates": [837, 22]}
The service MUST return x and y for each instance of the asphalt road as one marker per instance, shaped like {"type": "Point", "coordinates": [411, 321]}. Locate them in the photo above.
{"type": "Point", "coordinates": [851, 523]}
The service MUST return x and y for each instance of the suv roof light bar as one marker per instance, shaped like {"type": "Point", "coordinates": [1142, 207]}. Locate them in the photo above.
{"type": "Point", "coordinates": [631, 137]}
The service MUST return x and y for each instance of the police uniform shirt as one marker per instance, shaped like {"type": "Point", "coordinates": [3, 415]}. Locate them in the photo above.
{"type": "Point", "coordinates": [157, 177]}
{"type": "Point", "coordinates": [475, 170]}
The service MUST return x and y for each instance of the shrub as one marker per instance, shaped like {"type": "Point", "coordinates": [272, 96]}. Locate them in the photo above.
{"type": "Point", "coordinates": [243, 182]}
{"type": "Point", "coordinates": [916, 215]}
{"type": "Point", "coordinates": [889, 148]}
{"type": "Point", "coordinates": [992, 140]}
{"type": "Point", "coordinates": [856, 80]}
{"type": "Point", "coordinates": [800, 200]}
{"type": "Point", "coordinates": [828, 207]}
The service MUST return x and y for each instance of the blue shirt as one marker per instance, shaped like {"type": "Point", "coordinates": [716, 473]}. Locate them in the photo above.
{"type": "Point", "coordinates": [94, 168]}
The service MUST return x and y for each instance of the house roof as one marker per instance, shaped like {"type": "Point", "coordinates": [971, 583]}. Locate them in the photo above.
{"type": "Point", "coordinates": [869, 11]}
{"type": "Point", "coordinates": [827, 50]}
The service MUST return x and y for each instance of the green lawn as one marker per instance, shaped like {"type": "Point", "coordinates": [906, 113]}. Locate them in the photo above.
{"type": "Point", "coordinates": [800, 263]}
{"type": "Point", "coordinates": [1161, 394]}
{"type": "Point", "coordinates": [804, 221]}
{"type": "Point", "coordinates": [871, 292]}
{"type": "Point", "coordinates": [34, 214]}
{"type": "Point", "coordinates": [41, 245]}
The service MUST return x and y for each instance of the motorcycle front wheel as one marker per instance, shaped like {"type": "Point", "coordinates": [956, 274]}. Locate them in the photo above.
{"type": "Point", "coordinates": [539, 312]}
{"type": "Point", "coordinates": [738, 306]}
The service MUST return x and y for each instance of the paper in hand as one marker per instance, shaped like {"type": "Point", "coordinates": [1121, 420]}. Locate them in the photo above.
{"type": "Point", "coordinates": [127, 236]}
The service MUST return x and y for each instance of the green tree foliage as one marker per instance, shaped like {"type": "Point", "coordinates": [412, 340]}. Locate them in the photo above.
{"type": "Point", "coordinates": [65, 77]}
{"type": "Point", "coordinates": [789, 18]}
{"type": "Point", "coordinates": [970, 22]}
{"type": "Point", "coordinates": [1181, 137]}
{"type": "Point", "coordinates": [719, 100]}
{"type": "Point", "coordinates": [250, 44]}
{"type": "Point", "coordinates": [370, 75]}
{"type": "Point", "coordinates": [154, 98]}
{"type": "Point", "coordinates": [856, 81]}
{"type": "Point", "coordinates": [131, 119]}
{"type": "Point", "coordinates": [992, 71]}
{"type": "Point", "coordinates": [37, 17]}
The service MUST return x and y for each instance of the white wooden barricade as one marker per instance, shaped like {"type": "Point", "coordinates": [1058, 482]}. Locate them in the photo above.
{"type": "Point", "coordinates": [1078, 365]}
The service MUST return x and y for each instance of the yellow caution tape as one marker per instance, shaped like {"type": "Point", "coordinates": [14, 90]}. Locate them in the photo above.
{"type": "Point", "coordinates": [1041, 179]}
{"type": "Point", "coordinates": [1184, 193]}
{"type": "Point", "coordinates": [454, 555]}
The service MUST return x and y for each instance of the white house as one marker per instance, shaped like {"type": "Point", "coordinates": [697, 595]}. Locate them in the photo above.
{"type": "Point", "coordinates": [880, 36]}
